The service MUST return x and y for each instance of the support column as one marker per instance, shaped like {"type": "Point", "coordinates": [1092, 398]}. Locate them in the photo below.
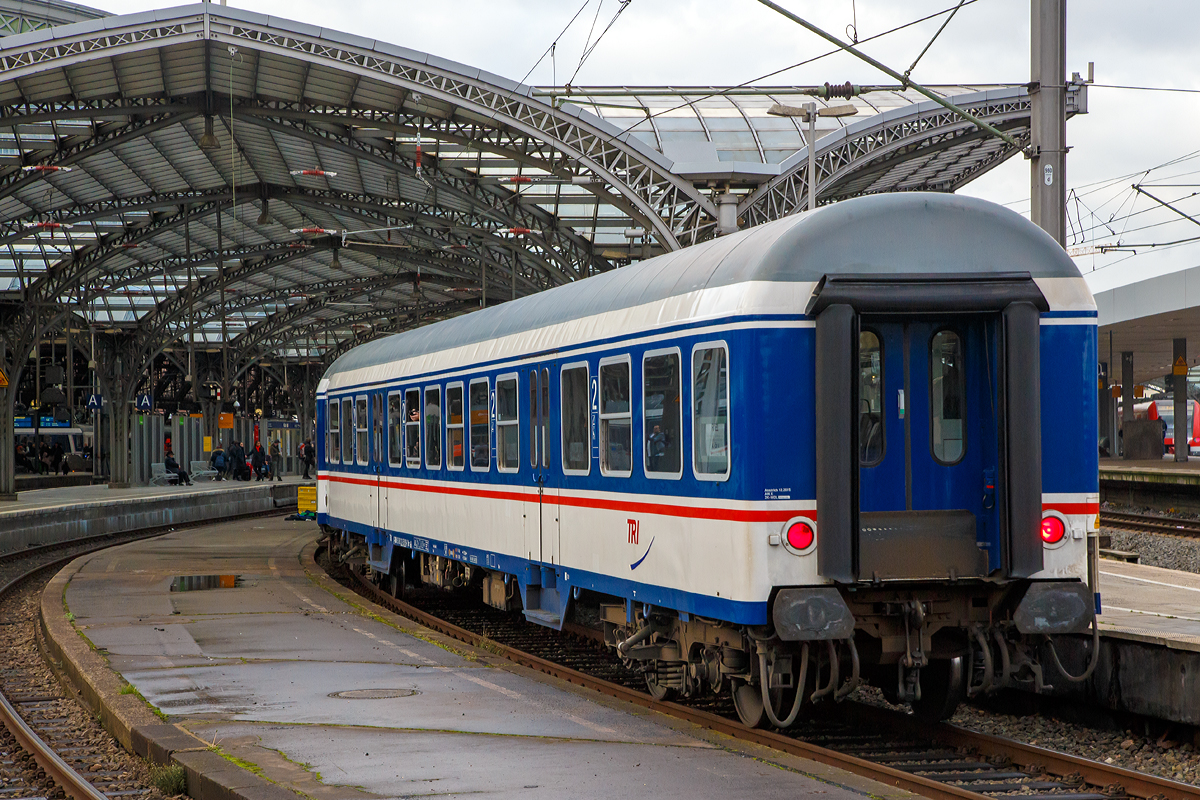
{"type": "Point", "coordinates": [1048, 115]}
{"type": "Point", "coordinates": [8, 455]}
{"type": "Point", "coordinates": [1126, 390]}
{"type": "Point", "coordinates": [1182, 424]}
{"type": "Point", "coordinates": [1104, 407]}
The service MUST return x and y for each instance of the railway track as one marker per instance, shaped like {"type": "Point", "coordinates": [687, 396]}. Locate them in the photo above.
{"type": "Point", "coordinates": [49, 745]}
{"type": "Point", "coordinates": [937, 761]}
{"type": "Point", "coordinates": [1150, 522]}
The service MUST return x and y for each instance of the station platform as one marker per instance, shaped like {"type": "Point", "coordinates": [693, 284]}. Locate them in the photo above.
{"type": "Point", "coordinates": [1158, 483]}
{"type": "Point", "coordinates": [263, 666]}
{"type": "Point", "coordinates": [51, 516]}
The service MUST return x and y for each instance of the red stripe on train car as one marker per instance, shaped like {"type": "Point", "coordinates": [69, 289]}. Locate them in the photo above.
{"type": "Point", "coordinates": [631, 506]}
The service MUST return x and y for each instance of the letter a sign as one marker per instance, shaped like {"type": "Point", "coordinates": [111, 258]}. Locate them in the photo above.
{"type": "Point", "coordinates": [145, 403]}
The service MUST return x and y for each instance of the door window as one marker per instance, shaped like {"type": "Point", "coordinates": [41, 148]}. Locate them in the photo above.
{"type": "Point", "coordinates": [456, 457]}
{"type": "Point", "coordinates": [616, 420]}
{"type": "Point", "coordinates": [870, 399]}
{"type": "Point", "coordinates": [662, 415]}
{"type": "Point", "coordinates": [508, 426]}
{"type": "Point", "coordinates": [545, 414]}
{"type": "Point", "coordinates": [710, 412]}
{"type": "Point", "coordinates": [334, 444]}
{"type": "Point", "coordinates": [433, 427]}
{"type": "Point", "coordinates": [947, 407]}
{"type": "Point", "coordinates": [533, 426]}
{"type": "Point", "coordinates": [576, 433]}
{"type": "Point", "coordinates": [377, 427]}
{"type": "Point", "coordinates": [481, 456]}
{"type": "Point", "coordinates": [348, 438]}
{"type": "Point", "coordinates": [412, 428]}
{"type": "Point", "coordinates": [395, 429]}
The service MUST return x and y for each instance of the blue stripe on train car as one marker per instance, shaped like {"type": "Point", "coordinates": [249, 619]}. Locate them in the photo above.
{"type": "Point", "coordinates": [1070, 430]}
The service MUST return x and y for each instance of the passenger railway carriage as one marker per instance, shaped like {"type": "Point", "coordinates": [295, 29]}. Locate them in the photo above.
{"type": "Point", "coordinates": [776, 463]}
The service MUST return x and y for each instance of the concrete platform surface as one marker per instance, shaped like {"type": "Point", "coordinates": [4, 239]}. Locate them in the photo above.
{"type": "Point", "coordinates": [63, 496]}
{"type": "Point", "coordinates": [1150, 604]}
{"type": "Point", "coordinates": [286, 672]}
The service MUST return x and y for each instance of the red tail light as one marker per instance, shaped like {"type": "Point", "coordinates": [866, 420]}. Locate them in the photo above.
{"type": "Point", "coordinates": [1053, 530]}
{"type": "Point", "coordinates": [800, 536]}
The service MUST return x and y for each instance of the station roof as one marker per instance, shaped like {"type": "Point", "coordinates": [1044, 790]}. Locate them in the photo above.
{"type": "Point", "coordinates": [357, 187]}
{"type": "Point", "coordinates": [1144, 318]}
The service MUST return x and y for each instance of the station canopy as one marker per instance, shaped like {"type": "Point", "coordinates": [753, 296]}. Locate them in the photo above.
{"type": "Point", "coordinates": [206, 175]}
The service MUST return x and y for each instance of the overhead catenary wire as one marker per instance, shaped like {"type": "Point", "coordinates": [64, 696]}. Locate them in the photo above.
{"type": "Point", "coordinates": [589, 49]}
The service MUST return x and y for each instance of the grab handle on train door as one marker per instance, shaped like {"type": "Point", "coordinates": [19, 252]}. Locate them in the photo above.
{"type": "Point", "coordinates": [989, 488]}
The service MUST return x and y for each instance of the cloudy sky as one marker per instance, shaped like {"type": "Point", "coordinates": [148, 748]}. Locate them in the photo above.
{"type": "Point", "coordinates": [1130, 136]}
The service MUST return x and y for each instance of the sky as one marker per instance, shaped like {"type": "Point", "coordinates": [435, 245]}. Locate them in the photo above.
{"type": "Point", "coordinates": [1129, 136]}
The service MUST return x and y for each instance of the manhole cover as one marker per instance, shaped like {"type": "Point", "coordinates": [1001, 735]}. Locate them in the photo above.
{"type": "Point", "coordinates": [373, 694]}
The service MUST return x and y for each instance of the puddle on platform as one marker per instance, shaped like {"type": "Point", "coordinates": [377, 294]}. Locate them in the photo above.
{"type": "Point", "coordinates": [195, 583]}
{"type": "Point", "coordinates": [374, 694]}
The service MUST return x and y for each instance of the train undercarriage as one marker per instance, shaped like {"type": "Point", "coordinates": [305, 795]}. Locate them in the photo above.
{"type": "Point", "coordinates": [928, 646]}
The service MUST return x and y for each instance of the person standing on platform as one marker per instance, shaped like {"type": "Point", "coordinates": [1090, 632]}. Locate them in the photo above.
{"type": "Point", "coordinates": [308, 456]}
{"type": "Point", "coordinates": [237, 461]}
{"type": "Point", "coordinates": [258, 461]}
{"type": "Point", "coordinates": [276, 460]}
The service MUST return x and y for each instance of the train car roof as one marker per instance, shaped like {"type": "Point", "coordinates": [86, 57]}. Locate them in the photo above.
{"type": "Point", "coordinates": [914, 232]}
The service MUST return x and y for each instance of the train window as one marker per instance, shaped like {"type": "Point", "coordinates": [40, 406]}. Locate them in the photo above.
{"type": "Point", "coordinates": [360, 425]}
{"type": "Point", "coordinates": [616, 419]}
{"type": "Point", "coordinates": [348, 424]}
{"type": "Point", "coordinates": [870, 399]}
{"type": "Point", "coordinates": [481, 455]}
{"type": "Point", "coordinates": [377, 427]}
{"type": "Point", "coordinates": [576, 433]}
{"type": "Point", "coordinates": [710, 412]}
{"type": "Point", "coordinates": [456, 456]}
{"type": "Point", "coordinates": [662, 414]}
{"type": "Point", "coordinates": [395, 429]}
{"type": "Point", "coordinates": [533, 426]}
{"type": "Point", "coordinates": [947, 400]}
{"type": "Point", "coordinates": [508, 425]}
{"type": "Point", "coordinates": [545, 417]}
{"type": "Point", "coordinates": [412, 427]}
{"type": "Point", "coordinates": [433, 427]}
{"type": "Point", "coordinates": [334, 444]}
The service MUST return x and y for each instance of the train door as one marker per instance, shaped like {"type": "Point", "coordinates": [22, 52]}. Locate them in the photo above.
{"type": "Point", "coordinates": [378, 459]}
{"type": "Point", "coordinates": [541, 510]}
{"type": "Point", "coordinates": [395, 454]}
{"type": "Point", "coordinates": [928, 451]}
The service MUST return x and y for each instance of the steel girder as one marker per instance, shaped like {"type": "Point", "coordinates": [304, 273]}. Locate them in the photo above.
{"type": "Point", "coordinates": [867, 147]}
{"type": "Point", "coordinates": [663, 200]}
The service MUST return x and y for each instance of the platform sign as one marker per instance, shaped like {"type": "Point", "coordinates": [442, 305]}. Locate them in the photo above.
{"type": "Point", "coordinates": [3, 379]}
{"type": "Point", "coordinates": [144, 403]}
{"type": "Point", "coordinates": [95, 402]}
{"type": "Point", "coordinates": [208, 444]}
{"type": "Point", "coordinates": [1180, 367]}
{"type": "Point", "coordinates": [225, 421]}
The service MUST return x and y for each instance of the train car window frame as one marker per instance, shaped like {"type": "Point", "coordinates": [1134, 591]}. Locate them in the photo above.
{"type": "Point", "coordinates": [412, 428]}
{"type": "Point", "coordinates": [661, 475]}
{"type": "Point", "coordinates": [395, 412]}
{"type": "Point", "coordinates": [377, 427]}
{"type": "Point", "coordinates": [433, 430]}
{"type": "Point", "coordinates": [459, 426]}
{"type": "Point", "coordinates": [881, 393]}
{"type": "Point", "coordinates": [333, 430]}
{"type": "Point", "coordinates": [503, 423]}
{"type": "Point", "coordinates": [545, 386]}
{"type": "Point", "coordinates": [611, 419]}
{"type": "Point", "coordinates": [362, 430]}
{"type": "Point", "coordinates": [563, 398]}
{"type": "Point", "coordinates": [486, 464]}
{"type": "Point", "coordinates": [935, 420]}
{"type": "Point", "coordinates": [696, 472]}
{"type": "Point", "coordinates": [533, 426]}
{"type": "Point", "coordinates": [348, 430]}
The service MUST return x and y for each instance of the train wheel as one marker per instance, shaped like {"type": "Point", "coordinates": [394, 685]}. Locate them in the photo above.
{"type": "Point", "coordinates": [747, 699]}
{"type": "Point", "coordinates": [942, 689]}
{"type": "Point", "coordinates": [656, 689]}
{"type": "Point", "coordinates": [395, 583]}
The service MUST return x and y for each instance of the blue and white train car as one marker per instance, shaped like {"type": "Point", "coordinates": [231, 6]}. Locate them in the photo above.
{"type": "Point", "coordinates": [775, 463]}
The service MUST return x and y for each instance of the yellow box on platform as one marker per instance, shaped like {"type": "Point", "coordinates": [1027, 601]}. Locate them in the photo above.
{"type": "Point", "coordinates": [306, 499]}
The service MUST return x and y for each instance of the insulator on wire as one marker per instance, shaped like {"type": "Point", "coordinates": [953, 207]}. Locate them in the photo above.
{"type": "Point", "coordinates": [314, 173]}
{"type": "Point", "coordinates": [845, 90]}
{"type": "Point", "coordinates": [45, 168]}
{"type": "Point", "coordinates": [326, 231]}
